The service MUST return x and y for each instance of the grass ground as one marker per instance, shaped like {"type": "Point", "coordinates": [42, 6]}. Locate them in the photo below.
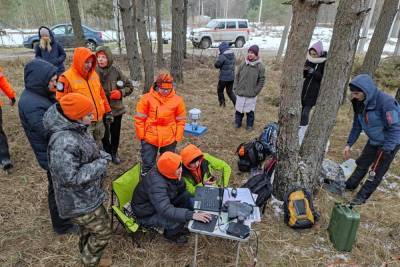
{"type": "Point", "coordinates": [26, 238]}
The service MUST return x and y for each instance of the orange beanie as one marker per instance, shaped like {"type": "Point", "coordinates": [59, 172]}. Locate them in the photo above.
{"type": "Point", "coordinates": [164, 80]}
{"type": "Point", "coordinates": [189, 153]}
{"type": "Point", "coordinates": [76, 106]}
{"type": "Point", "coordinates": [168, 163]}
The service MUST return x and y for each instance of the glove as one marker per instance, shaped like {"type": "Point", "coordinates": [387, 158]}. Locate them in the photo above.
{"type": "Point", "coordinates": [115, 94]}
{"type": "Point", "coordinates": [105, 155]}
{"type": "Point", "coordinates": [12, 101]}
{"type": "Point", "coordinates": [109, 118]}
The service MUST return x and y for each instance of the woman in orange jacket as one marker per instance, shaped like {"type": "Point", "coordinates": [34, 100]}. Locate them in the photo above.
{"type": "Point", "coordinates": [159, 120]}
{"type": "Point", "coordinates": [4, 152]}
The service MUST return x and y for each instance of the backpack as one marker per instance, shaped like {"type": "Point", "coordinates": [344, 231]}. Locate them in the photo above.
{"type": "Point", "coordinates": [269, 137]}
{"type": "Point", "coordinates": [260, 184]}
{"type": "Point", "coordinates": [299, 212]}
{"type": "Point", "coordinates": [250, 155]}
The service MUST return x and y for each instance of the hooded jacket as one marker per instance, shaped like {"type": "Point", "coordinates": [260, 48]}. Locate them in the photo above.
{"type": "Point", "coordinates": [250, 78]}
{"type": "Point", "coordinates": [33, 103]}
{"type": "Point", "coordinates": [75, 80]}
{"type": "Point", "coordinates": [226, 63]}
{"type": "Point", "coordinates": [6, 87]}
{"type": "Point", "coordinates": [160, 120]}
{"type": "Point", "coordinates": [380, 117]}
{"type": "Point", "coordinates": [155, 194]}
{"type": "Point", "coordinates": [207, 169]}
{"type": "Point", "coordinates": [109, 77]}
{"type": "Point", "coordinates": [312, 82]}
{"type": "Point", "coordinates": [55, 56]}
{"type": "Point", "coordinates": [76, 165]}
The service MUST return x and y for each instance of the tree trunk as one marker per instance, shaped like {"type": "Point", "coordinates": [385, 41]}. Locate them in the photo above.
{"type": "Point", "coordinates": [185, 17]}
{"type": "Point", "coordinates": [340, 60]}
{"type": "Point", "coordinates": [160, 57]}
{"type": "Point", "coordinates": [380, 36]}
{"type": "Point", "coordinates": [397, 48]}
{"type": "Point", "coordinates": [365, 27]}
{"type": "Point", "coordinates": [177, 40]}
{"type": "Point", "coordinates": [304, 20]}
{"type": "Point", "coordinates": [283, 39]}
{"type": "Point", "coordinates": [76, 23]}
{"type": "Point", "coordinates": [147, 54]}
{"type": "Point", "coordinates": [126, 8]}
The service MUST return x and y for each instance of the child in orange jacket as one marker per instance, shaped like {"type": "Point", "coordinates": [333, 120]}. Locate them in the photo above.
{"type": "Point", "coordinates": [5, 160]}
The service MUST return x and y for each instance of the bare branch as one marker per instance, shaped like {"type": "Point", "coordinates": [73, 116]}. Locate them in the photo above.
{"type": "Point", "coordinates": [364, 11]}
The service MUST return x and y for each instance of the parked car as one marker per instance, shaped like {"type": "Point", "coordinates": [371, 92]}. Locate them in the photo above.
{"type": "Point", "coordinates": [64, 34]}
{"type": "Point", "coordinates": [233, 31]}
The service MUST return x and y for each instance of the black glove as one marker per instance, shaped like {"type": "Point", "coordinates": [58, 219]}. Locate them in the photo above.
{"type": "Point", "coordinates": [109, 118]}
{"type": "Point", "coordinates": [13, 100]}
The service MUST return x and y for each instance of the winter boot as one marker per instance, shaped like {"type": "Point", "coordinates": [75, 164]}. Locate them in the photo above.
{"type": "Point", "coordinates": [115, 159]}
{"type": "Point", "coordinates": [250, 121]}
{"type": "Point", "coordinates": [355, 178]}
{"type": "Point", "coordinates": [238, 119]}
{"type": "Point", "coordinates": [365, 192]}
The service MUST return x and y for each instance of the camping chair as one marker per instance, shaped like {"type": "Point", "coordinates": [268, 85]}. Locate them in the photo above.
{"type": "Point", "coordinates": [123, 188]}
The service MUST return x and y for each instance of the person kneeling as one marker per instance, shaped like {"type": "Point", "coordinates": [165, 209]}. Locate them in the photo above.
{"type": "Point", "coordinates": [77, 169]}
{"type": "Point", "coordinates": [161, 199]}
{"type": "Point", "coordinates": [199, 169]}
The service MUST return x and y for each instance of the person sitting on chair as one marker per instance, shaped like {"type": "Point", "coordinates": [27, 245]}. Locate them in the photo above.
{"type": "Point", "coordinates": [161, 199]}
{"type": "Point", "coordinates": [199, 169]}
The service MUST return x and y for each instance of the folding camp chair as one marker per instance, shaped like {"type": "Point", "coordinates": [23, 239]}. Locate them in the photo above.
{"type": "Point", "coordinates": [123, 188]}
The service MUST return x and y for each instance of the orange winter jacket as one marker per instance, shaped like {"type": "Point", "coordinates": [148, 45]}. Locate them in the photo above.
{"type": "Point", "coordinates": [6, 87]}
{"type": "Point", "coordinates": [160, 120]}
{"type": "Point", "coordinates": [75, 80]}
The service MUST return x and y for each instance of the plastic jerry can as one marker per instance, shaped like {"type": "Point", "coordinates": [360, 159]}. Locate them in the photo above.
{"type": "Point", "coordinates": [343, 226]}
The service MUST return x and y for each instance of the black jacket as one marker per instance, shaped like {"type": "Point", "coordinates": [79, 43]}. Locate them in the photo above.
{"type": "Point", "coordinates": [226, 63]}
{"type": "Point", "coordinates": [33, 103]}
{"type": "Point", "coordinates": [155, 194]}
{"type": "Point", "coordinates": [312, 82]}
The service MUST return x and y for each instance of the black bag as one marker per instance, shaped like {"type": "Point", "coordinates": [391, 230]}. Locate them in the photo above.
{"type": "Point", "coordinates": [250, 155]}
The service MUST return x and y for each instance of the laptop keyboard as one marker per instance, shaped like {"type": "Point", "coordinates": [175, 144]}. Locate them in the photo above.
{"type": "Point", "coordinates": [207, 227]}
{"type": "Point", "coordinates": [210, 204]}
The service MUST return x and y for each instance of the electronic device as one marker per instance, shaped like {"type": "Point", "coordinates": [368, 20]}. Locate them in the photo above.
{"type": "Point", "coordinates": [234, 192]}
{"type": "Point", "coordinates": [207, 227]}
{"type": "Point", "coordinates": [238, 209]}
{"type": "Point", "coordinates": [208, 198]}
{"type": "Point", "coordinates": [238, 229]}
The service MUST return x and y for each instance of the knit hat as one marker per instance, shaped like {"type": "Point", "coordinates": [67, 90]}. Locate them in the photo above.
{"type": "Point", "coordinates": [76, 106]}
{"type": "Point", "coordinates": [354, 88]}
{"type": "Point", "coordinates": [168, 163]}
{"type": "Point", "coordinates": [44, 31]}
{"type": "Point", "coordinates": [190, 153]}
{"type": "Point", "coordinates": [318, 47]}
{"type": "Point", "coordinates": [255, 49]}
{"type": "Point", "coordinates": [164, 80]}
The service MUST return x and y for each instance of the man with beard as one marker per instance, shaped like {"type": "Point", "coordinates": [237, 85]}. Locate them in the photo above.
{"type": "Point", "coordinates": [50, 50]}
{"type": "Point", "coordinates": [378, 115]}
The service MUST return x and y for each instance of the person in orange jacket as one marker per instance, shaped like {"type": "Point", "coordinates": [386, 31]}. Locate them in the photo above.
{"type": "Point", "coordinates": [159, 120]}
{"type": "Point", "coordinates": [4, 151]}
{"type": "Point", "coordinates": [82, 78]}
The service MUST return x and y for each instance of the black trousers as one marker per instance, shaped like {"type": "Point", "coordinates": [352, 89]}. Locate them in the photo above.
{"type": "Point", "coordinates": [60, 225]}
{"type": "Point", "coordinates": [149, 154]}
{"type": "Point", "coordinates": [305, 115]}
{"type": "Point", "coordinates": [4, 150]}
{"type": "Point", "coordinates": [229, 90]}
{"type": "Point", "coordinates": [368, 157]}
{"type": "Point", "coordinates": [111, 136]}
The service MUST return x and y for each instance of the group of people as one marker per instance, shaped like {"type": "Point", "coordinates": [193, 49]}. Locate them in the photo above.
{"type": "Point", "coordinates": [72, 120]}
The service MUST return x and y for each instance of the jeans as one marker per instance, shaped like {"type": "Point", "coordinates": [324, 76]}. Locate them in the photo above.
{"type": "Point", "coordinates": [149, 154]}
{"type": "Point", "coordinates": [229, 90]}
{"type": "Point", "coordinates": [111, 136]}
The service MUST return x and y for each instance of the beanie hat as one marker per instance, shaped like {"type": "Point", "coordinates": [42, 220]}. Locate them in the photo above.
{"type": "Point", "coordinates": [354, 88]}
{"type": "Point", "coordinates": [168, 163]}
{"type": "Point", "coordinates": [255, 49]}
{"type": "Point", "coordinates": [44, 31]}
{"type": "Point", "coordinates": [190, 153]}
{"type": "Point", "coordinates": [164, 80]}
{"type": "Point", "coordinates": [318, 47]}
{"type": "Point", "coordinates": [76, 106]}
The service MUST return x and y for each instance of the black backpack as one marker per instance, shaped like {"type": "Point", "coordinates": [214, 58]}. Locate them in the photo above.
{"type": "Point", "coordinates": [250, 155]}
{"type": "Point", "coordinates": [260, 184]}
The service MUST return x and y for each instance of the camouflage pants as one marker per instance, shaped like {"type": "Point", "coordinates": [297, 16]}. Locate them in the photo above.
{"type": "Point", "coordinates": [95, 233]}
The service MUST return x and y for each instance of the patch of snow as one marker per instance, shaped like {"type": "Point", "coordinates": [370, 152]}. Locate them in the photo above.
{"type": "Point", "coordinates": [277, 206]}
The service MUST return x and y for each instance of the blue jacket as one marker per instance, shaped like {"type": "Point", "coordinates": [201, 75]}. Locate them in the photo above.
{"type": "Point", "coordinates": [33, 103]}
{"type": "Point", "coordinates": [56, 56]}
{"type": "Point", "coordinates": [226, 63]}
{"type": "Point", "coordinates": [379, 118]}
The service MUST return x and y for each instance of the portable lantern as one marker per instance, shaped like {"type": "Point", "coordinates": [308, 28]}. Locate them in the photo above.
{"type": "Point", "coordinates": [193, 126]}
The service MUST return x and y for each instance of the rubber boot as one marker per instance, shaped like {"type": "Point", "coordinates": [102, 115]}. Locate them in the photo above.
{"type": "Point", "coordinates": [238, 119]}
{"type": "Point", "coordinates": [250, 120]}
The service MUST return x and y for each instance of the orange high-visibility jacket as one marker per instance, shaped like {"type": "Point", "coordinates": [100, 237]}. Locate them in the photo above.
{"type": "Point", "coordinates": [160, 120]}
{"type": "Point", "coordinates": [6, 87]}
{"type": "Point", "coordinates": [76, 81]}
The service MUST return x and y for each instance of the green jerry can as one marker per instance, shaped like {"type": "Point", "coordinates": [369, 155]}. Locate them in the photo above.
{"type": "Point", "coordinates": [343, 226]}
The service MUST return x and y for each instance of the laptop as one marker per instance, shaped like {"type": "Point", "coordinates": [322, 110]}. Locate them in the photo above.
{"type": "Point", "coordinates": [208, 198]}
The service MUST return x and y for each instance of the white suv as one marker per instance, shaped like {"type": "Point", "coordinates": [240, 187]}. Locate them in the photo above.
{"type": "Point", "coordinates": [233, 31]}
